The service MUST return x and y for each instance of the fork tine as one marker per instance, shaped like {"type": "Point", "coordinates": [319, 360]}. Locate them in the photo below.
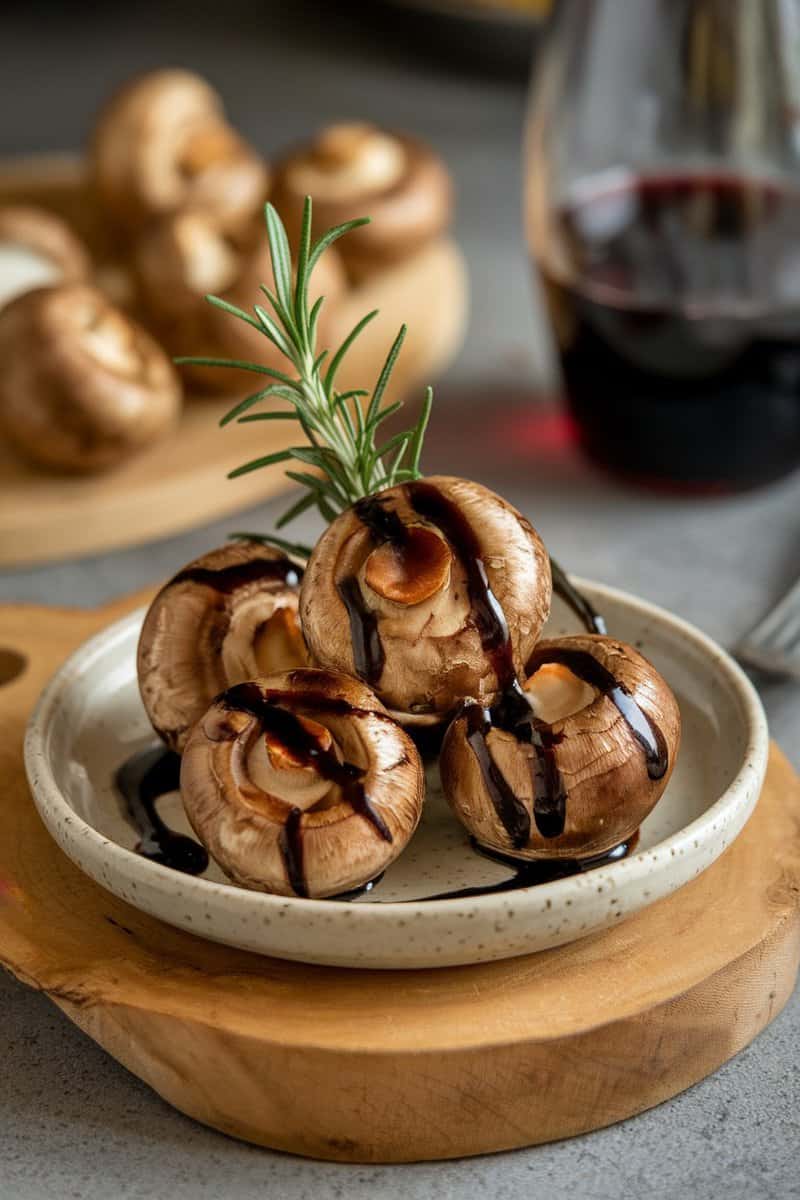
{"type": "Point", "coordinates": [774, 644]}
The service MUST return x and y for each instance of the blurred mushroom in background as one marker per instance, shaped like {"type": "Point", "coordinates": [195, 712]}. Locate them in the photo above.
{"type": "Point", "coordinates": [83, 386]}
{"type": "Point", "coordinates": [356, 170]}
{"type": "Point", "coordinates": [37, 249]}
{"type": "Point", "coordinates": [162, 144]}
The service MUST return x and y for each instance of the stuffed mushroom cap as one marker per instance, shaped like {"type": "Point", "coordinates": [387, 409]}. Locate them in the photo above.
{"type": "Point", "coordinates": [429, 592]}
{"type": "Point", "coordinates": [573, 775]}
{"type": "Point", "coordinates": [301, 784]}
{"type": "Point", "coordinates": [225, 617]}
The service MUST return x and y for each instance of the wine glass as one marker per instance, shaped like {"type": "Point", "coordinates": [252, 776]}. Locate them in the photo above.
{"type": "Point", "coordinates": [662, 208]}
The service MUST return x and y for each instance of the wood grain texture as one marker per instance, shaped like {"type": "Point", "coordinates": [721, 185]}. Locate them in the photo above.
{"type": "Point", "coordinates": [181, 482]}
{"type": "Point", "coordinates": [383, 1066]}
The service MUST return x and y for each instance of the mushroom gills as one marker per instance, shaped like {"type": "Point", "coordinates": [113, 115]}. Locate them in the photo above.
{"type": "Point", "coordinates": [22, 269]}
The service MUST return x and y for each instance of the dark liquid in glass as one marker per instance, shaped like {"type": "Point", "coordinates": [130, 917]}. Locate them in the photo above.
{"type": "Point", "coordinates": [676, 305]}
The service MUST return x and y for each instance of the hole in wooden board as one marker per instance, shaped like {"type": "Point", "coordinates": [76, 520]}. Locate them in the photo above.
{"type": "Point", "coordinates": [12, 664]}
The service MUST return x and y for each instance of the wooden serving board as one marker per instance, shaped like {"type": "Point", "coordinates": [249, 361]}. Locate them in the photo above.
{"type": "Point", "coordinates": [181, 482]}
{"type": "Point", "coordinates": [365, 1066]}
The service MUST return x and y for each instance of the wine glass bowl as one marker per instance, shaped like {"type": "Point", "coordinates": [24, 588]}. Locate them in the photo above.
{"type": "Point", "coordinates": [663, 217]}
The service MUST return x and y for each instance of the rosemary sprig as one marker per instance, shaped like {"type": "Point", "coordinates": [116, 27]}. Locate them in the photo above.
{"type": "Point", "coordinates": [340, 427]}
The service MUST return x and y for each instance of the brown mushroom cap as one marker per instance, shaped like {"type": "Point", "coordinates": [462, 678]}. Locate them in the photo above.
{"type": "Point", "coordinates": [390, 596]}
{"type": "Point", "coordinates": [37, 248]}
{"type": "Point", "coordinates": [301, 784]}
{"type": "Point", "coordinates": [83, 386]}
{"type": "Point", "coordinates": [180, 260]}
{"type": "Point", "coordinates": [162, 144]}
{"type": "Point", "coordinates": [358, 170]}
{"type": "Point", "coordinates": [226, 617]}
{"type": "Point", "coordinates": [599, 759]}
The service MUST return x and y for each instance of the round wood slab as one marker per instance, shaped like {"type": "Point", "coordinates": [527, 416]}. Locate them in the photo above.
{"type": "Point", "coordinates": [181, 481]}
{"type": "Point", "coordinates": [397, 1066]}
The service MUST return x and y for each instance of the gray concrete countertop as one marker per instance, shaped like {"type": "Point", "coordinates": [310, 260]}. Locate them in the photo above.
{"type": "Point", "coordinates": [73, 1123]}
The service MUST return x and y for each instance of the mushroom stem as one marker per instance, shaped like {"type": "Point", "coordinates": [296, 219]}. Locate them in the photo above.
{"type": "Point", "coordinates": [412, 571]}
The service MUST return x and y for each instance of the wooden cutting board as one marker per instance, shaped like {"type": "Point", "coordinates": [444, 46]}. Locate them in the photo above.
{"type": "Point", "coordinates": [181, 482]}
{"type": "Point", "coordinates": [367, 1066]}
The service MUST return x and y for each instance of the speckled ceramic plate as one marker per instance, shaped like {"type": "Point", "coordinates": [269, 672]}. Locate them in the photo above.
{"type": "Point", "coordinates": [90, 720]}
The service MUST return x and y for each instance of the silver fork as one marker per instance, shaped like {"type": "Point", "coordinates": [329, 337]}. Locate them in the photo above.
{"type": "Point", "coordinates": [774, 644]}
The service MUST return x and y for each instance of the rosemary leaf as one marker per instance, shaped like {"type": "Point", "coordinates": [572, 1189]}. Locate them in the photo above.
{"type": "Point", "coordinates": [373, 424]}
{"type": "Point", "coordinates": [340, 435]}
{"type": "Point", "coordinates": [305, 502]}
{"type": "Point", "coordinates": [420, 431]}
{"type": "Point", "coordinates": [312, 322]}
{"type": "Point", "coordinates": [345, 346]}
{"type": "Point", "coordinates": [249, 401]}
{"type": "Point", "coordinates": [301, 316]}
{"type": "Point", "coordinates": [383, 378]}
{"type": "Point", "coordinates": [188, 360]}
{"type": "Point", "coordinates": [267, 416]}
{"type": "Point", "coordinates": [330, 237]}
{"type": "Point", "coordinates": [269, 539]}
{"type": "Point", "coordinates": [256, 463]}
{"type": "Point", "coordinates": [281, 257]}
{"type": "Point", "coordinates": [273, 331]}
{"type": "Point", "coordinates": [218, 302]}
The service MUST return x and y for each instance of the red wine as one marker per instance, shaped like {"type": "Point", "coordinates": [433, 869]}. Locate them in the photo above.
{"type": "Point", "coordinates": [676, 305]}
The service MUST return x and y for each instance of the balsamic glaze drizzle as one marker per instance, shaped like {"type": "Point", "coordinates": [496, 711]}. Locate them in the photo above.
{"type": "Point", "coordinates": [291, 846]}
{"type": "Point", "coordinates": [487, 613]}
{"type": "Point", "coordinates": [580, 605]}
{"type": "Point", "coordinates": [586, 667]}
{"type": "Point", "coordinates": [145, 777]}
{"type": "Point", "coordinates": [152, 773]}
{"type": "Point", "coordinates": [290, 732]}
{"type": "Point", "coordinates": [142, 780]}
{"type": "Point", "coordinates": [384, 525]}
{"type": "Point", "coordinates": [513, 712]}
{"type": "Point", "coordinates": [536, 871]}
{"type": "Point", "coordinates": [235, 575]}
{"type": "Point", "coordinates": [509, 807]}
{"type": "Point", "coordinates": [368, 653]}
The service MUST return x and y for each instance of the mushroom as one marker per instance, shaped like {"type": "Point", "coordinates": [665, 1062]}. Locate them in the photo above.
{"type": "Point", "coordinates": [226, 617]}
{"type": "Point", "coordinates": [301, 784]}
{"type": "Point", "coordinates": [162, 144]}
{"type": "Point", "coordinates": [570, 769]}
{"type": "Point", "coordinates": [83, 386]}
{"type": "Point", "coordinates": [37, 248]}
{"type": "Point", "coordinates": [356, 169]}
{"type": "Point", "coordinates": [182, 259]}
{"type": "Point", "coordinates": [430, 591]}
